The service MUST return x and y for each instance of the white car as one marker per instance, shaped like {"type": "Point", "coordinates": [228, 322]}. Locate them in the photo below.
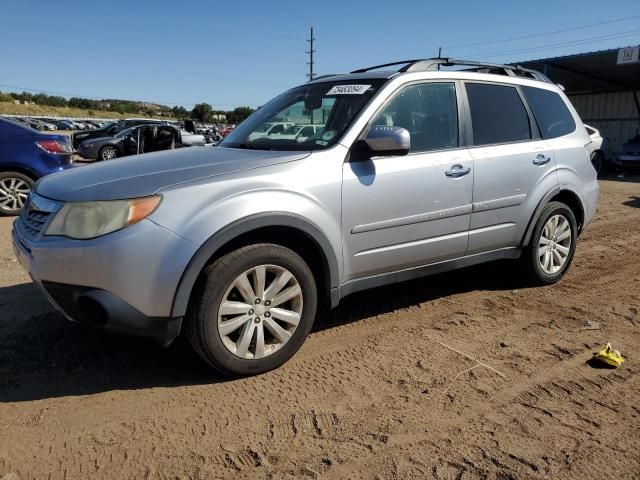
{"type": "Point", "coordinates": [299, 133]}
{"type": "Point", "coordinates": [270, 129]}
{"type": "Point", "coordinates": [596, 148]}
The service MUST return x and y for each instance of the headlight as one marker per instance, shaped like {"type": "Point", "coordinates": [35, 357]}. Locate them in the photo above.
{"type": "Point", "coordinates": [84, 220]}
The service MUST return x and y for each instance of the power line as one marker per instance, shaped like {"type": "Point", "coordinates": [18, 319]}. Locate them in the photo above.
{"type": "Point", "coordinates": [552, 46]}
{"type": "Point", "coordinates": [581, 27]}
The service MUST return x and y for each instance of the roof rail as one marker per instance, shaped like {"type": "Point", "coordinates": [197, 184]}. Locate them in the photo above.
{"type": "Point", "coordinates": [323, 76]}
{"type": "Point", "coordinates": [430, 64]}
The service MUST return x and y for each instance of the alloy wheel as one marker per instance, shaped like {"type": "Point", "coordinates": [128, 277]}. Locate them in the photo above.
{"type": "Point", "coordinates": [13, 193]}
{"type": "Point", "coordinates": [108, 153]}
{"type": "Point", "coordinates": [260, 311]}
{"type": "Point", "coordinates": [554, 245]}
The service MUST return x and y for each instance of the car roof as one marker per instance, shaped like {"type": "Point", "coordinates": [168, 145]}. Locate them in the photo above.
{"type": "Point", "coordinates": [438, 67]}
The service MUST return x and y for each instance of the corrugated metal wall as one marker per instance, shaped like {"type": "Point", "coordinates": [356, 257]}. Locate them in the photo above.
{"type": "Point", "coordinates": [615, 114]}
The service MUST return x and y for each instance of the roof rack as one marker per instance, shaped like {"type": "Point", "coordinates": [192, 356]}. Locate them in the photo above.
{"type": "Point", "coordinates": [430, 64]}
{"type": "Point", "coordinates": [323, 76]}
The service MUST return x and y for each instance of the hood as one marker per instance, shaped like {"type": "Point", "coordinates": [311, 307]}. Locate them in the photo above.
{"type": "Point", "coordinates": [143, 175]}
{"type": "Point", "coordinates": [101, 138]}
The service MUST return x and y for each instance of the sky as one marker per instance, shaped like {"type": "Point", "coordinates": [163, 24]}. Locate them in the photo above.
{"type": "Point", "coordinates": [232, 53]}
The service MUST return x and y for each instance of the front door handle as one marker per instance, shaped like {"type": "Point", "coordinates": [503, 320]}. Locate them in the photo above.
{"type": "Point", "coordinates": [457, 171]}
{"type": "Point", "coordinates": [541, 160]}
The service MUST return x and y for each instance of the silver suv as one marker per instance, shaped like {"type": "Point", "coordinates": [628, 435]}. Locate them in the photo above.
{"type": "Point", "coordinates": [409, 172]}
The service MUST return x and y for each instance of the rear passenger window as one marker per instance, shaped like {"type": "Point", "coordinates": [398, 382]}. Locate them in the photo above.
{"type": "Point", "coordinates": [497, 114]}
{"type": "Point", "coordinates": [552, 115]}
{"type": "Point", "coordinates": [428, 111]}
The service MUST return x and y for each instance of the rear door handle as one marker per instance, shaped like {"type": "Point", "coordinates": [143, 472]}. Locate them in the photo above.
{"type": "Point", "coordinates": [541, 160]}
{"type": "Point", "coordinates": [457, 171]}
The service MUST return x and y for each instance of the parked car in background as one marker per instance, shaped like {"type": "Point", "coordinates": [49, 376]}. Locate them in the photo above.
{"type": "Point", "coordinates": [64, 125]}
{"type": "Point", "coordinates": [136, 140]}
{"type": "Point", "coordinates": [242, 244]}
{"type": "Point", "coordinates": [269, 129]}
{"type": "Point", "coordinates": [111, 129]}
{"type": "Point", "coordinates": [298, 133]}
{"type": "Point", "coordinates": [629, 154]}
{"type": "Point", "coordinates": [25, 156]}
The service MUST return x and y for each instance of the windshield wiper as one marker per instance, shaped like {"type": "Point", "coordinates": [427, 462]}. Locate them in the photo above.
{"type": "Point", "coordinates": [248, 146]}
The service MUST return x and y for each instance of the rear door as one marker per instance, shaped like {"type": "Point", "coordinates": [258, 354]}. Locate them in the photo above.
{"type": "Point", "coordinates": [510, 161]}
{"type": "Point", "coordinates": [405, 211]}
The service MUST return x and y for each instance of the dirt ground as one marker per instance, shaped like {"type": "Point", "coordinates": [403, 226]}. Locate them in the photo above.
{"type": "Point", "coordinates": [377, 391]}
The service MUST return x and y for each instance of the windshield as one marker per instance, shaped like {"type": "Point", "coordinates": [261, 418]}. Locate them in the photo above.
{"type": "Point", "coordinates": [311, 117]}
{"type": "Point", "coordinates": [292, 130]}
{"type": "Point", "coordinates": [125, 132]}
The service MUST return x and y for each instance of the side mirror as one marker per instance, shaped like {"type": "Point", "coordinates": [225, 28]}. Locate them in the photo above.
{"type": "Point", "coordinates": [384, 140]}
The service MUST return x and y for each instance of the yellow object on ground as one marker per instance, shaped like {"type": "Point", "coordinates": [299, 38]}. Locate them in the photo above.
{"type": "Point", "coordinates": [609, 356]}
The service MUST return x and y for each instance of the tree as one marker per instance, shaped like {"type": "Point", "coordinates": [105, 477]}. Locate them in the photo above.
{"type": "Point", "coordinates": [202, 112]}
{"type": "Point", "coordinates": [5, 97]}
{"type": "Point", "coordinates": [238, 114]}
{"type": "Point", "coordinates": [179, 112]}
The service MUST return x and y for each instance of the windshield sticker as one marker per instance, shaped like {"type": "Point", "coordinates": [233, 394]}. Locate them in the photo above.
{"type": "Point", "coordinates": [348, 90]}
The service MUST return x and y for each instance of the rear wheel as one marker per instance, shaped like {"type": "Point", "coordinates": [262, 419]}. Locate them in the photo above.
{"type": "Point", "coordinates": [552, 244]}
{"type": "Point", "coordinates": [14, 190]}
{"type": "Point", "coordinates": [252, 310]}
{"type": "Point", "coordinates": [107, 153]}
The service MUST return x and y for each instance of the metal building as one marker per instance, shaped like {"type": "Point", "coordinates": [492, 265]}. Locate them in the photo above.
{"type": "Point", "coordinates": [603, 86]}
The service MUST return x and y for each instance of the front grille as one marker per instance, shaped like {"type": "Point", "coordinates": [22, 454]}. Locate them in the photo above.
{"type": "Point", "coordinates": [33, 222]}
{"type": "Point", "coordinates": [35, 217]}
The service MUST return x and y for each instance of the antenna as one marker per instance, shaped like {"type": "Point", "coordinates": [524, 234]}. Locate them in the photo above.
{"type": "Point", "coordinates": [311, 51]}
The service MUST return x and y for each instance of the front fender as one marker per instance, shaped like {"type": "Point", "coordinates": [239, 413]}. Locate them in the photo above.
{"type": "Point", "coordinates": [242, 226]}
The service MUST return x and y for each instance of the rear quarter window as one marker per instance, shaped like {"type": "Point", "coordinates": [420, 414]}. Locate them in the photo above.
{"type": "Point", "coordinates": [551, 113]}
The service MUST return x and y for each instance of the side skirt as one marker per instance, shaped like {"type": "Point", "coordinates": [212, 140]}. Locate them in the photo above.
{"type": "Point", "coordinates": [379, 280]}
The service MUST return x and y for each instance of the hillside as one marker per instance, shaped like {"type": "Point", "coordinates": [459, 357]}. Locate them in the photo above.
{"type": "Point", "coordinates": [10, 108]}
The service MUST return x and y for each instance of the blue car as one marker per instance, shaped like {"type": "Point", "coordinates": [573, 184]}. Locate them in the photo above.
{"type": "Point", "coordinates": [25, 156]}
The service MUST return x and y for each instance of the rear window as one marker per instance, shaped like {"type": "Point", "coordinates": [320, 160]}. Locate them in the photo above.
{"type": "Point", "coordinates": [553, 117]}
{"type": "Point", "coordinates": [497, 114]}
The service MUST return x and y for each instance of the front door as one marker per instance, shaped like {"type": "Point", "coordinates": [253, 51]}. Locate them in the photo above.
{"type": "Point", "coordinates": [405, 211]}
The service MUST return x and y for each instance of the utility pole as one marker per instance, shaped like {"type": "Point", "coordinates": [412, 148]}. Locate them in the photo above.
{"type": "Point", "coordinates": [311, 51]}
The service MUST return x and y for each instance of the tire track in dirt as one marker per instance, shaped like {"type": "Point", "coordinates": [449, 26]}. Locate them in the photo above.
{"type": "Point", "coordinates": [375, 395]}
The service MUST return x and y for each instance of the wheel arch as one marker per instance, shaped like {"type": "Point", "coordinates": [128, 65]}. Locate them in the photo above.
{"type": "Point", "coordinates": [289, 230]}
{"type": "Point", "coordinates": [558, 194]}
{"type": "Point", "coordinates": [19, 169]}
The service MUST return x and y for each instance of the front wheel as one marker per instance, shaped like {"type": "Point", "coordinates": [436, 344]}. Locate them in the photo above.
{"type": "Point", "coordinates": [14, 190]}
{"type": "Point", "coordinates": [108, 153]}
{"type": "Point", "coordinates": [552, 244]}
{"type": "Point", "coordinates": [252, 309]}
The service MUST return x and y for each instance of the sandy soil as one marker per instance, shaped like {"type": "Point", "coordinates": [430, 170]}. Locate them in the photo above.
{"type": "Point", "coordinates": [374, 393]}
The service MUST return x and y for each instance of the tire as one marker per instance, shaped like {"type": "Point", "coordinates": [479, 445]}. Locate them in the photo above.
{"type": "Point", "coordinates": [218, 337]}
{"type": "Point", "coordinates": [107, 153]}
{"type": "Point", "coordinates": [14, 189]}
{"type": "Point", "coordinates": [534, 258]}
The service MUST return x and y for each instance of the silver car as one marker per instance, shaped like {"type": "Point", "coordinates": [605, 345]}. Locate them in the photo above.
{"type": "Point", "coordinates": [415, 171]}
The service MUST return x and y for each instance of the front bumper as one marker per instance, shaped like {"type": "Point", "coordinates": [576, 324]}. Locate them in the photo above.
{"type": "Point", "coordinates": [124, 281]}
{"type": "Point", "coordinates": [87, 152]}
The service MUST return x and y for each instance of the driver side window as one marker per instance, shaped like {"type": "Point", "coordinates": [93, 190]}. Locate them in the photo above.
{"type": "Point", "coordinates": [428, 111]}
